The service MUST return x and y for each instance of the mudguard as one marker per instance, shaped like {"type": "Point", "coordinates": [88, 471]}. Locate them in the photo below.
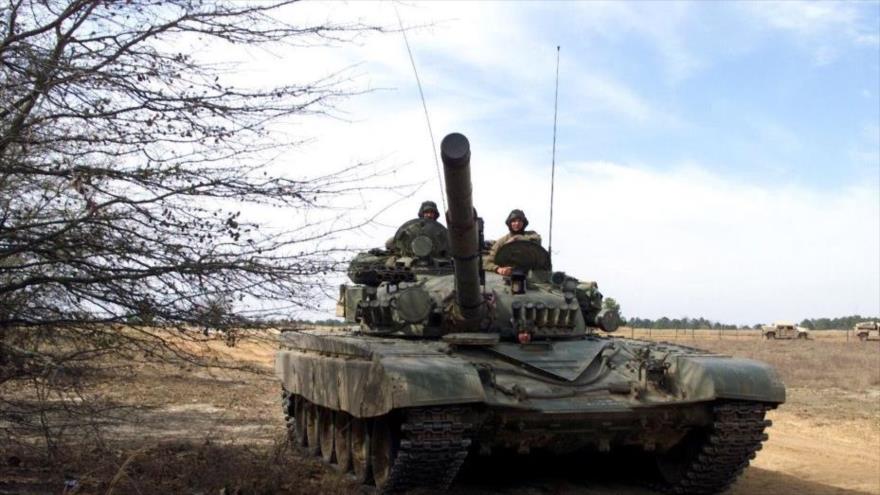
{"type": "Point", "coordinates": [370, 380]}
{"type": "Point", "coordinates": [701, 378]}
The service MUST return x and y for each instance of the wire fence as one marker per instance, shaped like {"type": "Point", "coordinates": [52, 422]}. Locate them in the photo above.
{"type": "Point", "coordinates": [718, 334]}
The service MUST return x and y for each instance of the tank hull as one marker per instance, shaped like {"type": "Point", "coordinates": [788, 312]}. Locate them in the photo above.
{"type": "Point", "coordinates": [555, 396]}
{"type": "Point", "coordinates": [369, 376]}
{"type": "Point", "coordinates": [526, 396]}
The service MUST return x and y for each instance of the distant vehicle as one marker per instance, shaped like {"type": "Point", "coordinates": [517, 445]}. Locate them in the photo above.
{"type": "Point", "coordinates": [867, 329]}
{"type": "Point", "coordinates": [784, 330]}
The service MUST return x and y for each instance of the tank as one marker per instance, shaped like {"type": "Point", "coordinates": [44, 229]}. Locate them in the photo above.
{"type": "Point", "coordinates": [444, 362]}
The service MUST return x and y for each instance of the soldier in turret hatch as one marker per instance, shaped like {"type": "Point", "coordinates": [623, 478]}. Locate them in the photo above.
{"type": "Point", "coordinates": [516, 224]}
{"type": "Point", "coordinates": [428, 211]}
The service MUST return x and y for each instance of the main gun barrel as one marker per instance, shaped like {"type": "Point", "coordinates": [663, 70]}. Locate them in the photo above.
{"type": "Point", "coordinates": [455, 151]}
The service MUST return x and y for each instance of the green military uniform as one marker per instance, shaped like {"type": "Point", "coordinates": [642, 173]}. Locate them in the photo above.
{"type": "Point", "coordinates": [523, 235]}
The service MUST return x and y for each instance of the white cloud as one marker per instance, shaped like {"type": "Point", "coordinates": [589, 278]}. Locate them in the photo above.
{"type": "Point", "coordinates": [594, 92]}
{"type": "Point", "coordinates": [826, 28]}
{"type": "Point", "coordinates": [805, 17]}
{"type": "Point", "coordinates": [662, 25]}
{"type": "Point", "coordinates": [692, 243]}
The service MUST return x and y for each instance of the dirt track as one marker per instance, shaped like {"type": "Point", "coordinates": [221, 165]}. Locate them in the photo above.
{"type": "Point", "coordinates": [809, 455]}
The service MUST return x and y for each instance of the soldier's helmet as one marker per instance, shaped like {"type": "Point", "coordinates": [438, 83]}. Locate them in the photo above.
{"type": "Point", "coordinates": [517, 214]}
{"type": "Point", "coordinates": [429, 206]}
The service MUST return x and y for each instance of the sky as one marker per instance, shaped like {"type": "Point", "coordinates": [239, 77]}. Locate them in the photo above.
{"type": "Point", "coordinates": [713, 159]}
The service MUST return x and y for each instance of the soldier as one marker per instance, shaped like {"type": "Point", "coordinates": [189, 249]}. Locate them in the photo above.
{"type": "Point", "coordinates": [516, 224]}
{"type": "Point", "coordinates": [428, 211]}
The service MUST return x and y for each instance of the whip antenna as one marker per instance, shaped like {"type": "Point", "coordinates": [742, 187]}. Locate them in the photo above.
{"type": "Point", "coordinates": [424, 106]}
{"type": "Point", "coordinates": [553, 159]}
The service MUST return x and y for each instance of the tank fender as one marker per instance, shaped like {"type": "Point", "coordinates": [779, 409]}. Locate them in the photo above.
{"type": "Point", "coordinates": [712, 377]}
{"type": "Point", "coordinates": [372, 387]}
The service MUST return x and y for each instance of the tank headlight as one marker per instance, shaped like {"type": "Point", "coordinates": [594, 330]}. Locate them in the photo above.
{"type": "Point", "coordinates": [422, 246]}
{"type": "Point", "coordinates": [413, 305]}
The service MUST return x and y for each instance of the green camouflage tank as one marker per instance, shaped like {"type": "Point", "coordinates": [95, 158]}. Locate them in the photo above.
{"type": "Point", "coordinates": [444, 361]}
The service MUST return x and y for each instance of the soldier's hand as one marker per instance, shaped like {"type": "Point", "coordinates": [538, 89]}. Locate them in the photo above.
{"type": "Point", "coordinates": [504, 270]}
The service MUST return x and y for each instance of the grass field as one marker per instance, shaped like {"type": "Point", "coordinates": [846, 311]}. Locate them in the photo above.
{"type": "Point", "coordinates": [185, 429]}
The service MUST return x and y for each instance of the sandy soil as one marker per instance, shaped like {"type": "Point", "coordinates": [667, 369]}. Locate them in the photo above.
{"type": "Point", "coordinates": [224, 428]}
{"type": "Point", "coordinates": [830, 456]}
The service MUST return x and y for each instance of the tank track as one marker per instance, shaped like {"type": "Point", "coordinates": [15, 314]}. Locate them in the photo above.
{"type": "Point", "coordinates": [732, 441]}
{"type": "Point", "coordinates": [434, 442]}
{"type": "Point", "coordinates": [433, 445]}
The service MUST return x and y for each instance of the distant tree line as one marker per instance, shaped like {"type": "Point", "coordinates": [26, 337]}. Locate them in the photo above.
{"type": "Point", "coordinates": [842, 322]}
{"type": "Point", "coordinates": [684, 322]}
{"type": "Point", "coordinates": [329, 322]}
{"type": "Point", "coordinates": [295, 322]}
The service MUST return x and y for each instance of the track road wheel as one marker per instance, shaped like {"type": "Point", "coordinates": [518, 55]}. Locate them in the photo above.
{"type": "Point", "coordinates": [292, 419]}
{"type": "Point", "coordinates": [325, 433]}
{"type": "Point", "coordinates": [384, 445]}
{"type": "Point", "coordinates": [313, 445]}
{"type": "Point", "coordinates": [298, 435]}
{"type": "Point", "coordinates": [360, 449]}
{"type": "Point", "coordinates": [342, 440]}
{"type": "Point", "coordinates": [287, 401]}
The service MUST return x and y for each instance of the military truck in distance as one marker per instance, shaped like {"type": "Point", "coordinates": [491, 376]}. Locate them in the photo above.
{"type": "Point", "coordinates": [784, 330]}
{"type": "Point", "coordinates": [447, 361]}
{"type": "Point", "coordinates": [867, 330]}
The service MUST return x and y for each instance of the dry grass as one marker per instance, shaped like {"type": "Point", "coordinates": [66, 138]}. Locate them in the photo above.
{"type": "Point", "coordinates": [826, 360]}
{"type": "Point", "coordinates": [830, 377]}
{"type": "Point", "coordinates": [170, 428]}
{"type": "Point", "coordinates": [738, 334]}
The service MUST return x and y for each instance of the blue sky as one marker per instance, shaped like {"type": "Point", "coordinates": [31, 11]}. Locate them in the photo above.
{"type": "Point", "coordinates": [726, 84]}
{"type": "Point", "coordinates": [713, 159]}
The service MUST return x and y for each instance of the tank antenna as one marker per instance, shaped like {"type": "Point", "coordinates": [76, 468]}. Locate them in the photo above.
{"type": "Point", "coordinates": [553, 159]}
{"type": "Point", "coordinates": [424, 106]}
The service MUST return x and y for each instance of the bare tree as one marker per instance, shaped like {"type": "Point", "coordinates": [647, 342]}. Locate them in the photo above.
{"type": "Point", "coordinates": [121, 157]}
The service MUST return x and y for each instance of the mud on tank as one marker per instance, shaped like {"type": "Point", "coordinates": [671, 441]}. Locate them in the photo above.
{"type": "Point", "coordinates": [445, 361]}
